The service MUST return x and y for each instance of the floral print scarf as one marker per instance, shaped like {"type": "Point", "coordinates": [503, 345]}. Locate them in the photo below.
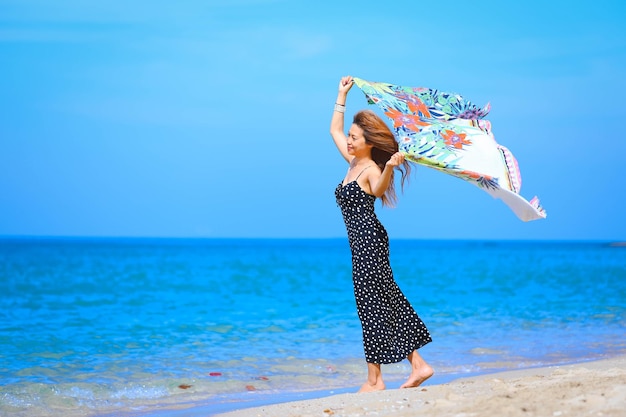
{"type": "Point", "coordinates": [448, 133]}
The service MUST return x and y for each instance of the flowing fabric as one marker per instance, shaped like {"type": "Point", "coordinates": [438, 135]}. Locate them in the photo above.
{"type": "Point", "coordinates": [448, 133]}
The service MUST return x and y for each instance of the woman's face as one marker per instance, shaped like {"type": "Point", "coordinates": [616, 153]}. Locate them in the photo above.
{"type": "Point", "coordinates": [356, 142]}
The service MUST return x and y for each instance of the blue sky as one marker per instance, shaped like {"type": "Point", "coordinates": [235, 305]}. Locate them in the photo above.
{"type": "Point", "coordinates": [210, 118]}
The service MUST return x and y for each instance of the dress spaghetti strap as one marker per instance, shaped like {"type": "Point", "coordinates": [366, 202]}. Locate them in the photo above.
{"type": "Point", "coordinates": [363, 170]}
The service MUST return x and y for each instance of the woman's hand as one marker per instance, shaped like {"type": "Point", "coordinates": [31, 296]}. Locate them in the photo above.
{"type": "Point", "coordinates": [345, 84]}
{"type": "Point", "coordinates": [395, 160]}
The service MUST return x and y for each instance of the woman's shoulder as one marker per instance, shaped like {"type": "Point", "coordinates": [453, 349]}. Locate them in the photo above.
{"type": "Point", "coordinates": [372, 173]}
{"type": "Point", "coordinates": [373, 168]}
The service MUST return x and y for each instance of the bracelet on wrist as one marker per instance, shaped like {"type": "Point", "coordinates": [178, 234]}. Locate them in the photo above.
{"type": "Point", "coordinates": [340, 108]}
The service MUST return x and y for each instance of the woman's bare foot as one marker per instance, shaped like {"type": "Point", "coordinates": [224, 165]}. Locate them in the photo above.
{"type": "Point", "coordinates": [418, 376]}
{"type": "Point", "coordinates": [374, 379]}
{"type": "Point", "coordinates": [420, 372]}
{"type": "Point", "coordinates": [367, 387]}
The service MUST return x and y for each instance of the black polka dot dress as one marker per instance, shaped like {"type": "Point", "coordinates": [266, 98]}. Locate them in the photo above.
{"type": "Point", "coordinates": [391, 327]}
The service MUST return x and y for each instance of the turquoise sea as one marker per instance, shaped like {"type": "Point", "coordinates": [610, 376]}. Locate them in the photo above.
{"type": "Point", "coordinates": [134, 327]}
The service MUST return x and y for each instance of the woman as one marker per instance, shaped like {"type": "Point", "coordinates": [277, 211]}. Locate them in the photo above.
{"type": "Point", "coordinates": [392, 330]}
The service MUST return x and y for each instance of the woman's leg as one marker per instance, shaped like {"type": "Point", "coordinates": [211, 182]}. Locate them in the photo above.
{"type": "Point", "coordinates": [374, 379]}
{"type": "Point", "coordinates": [420, 371]}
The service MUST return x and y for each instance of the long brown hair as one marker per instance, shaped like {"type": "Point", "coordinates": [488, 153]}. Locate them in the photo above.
{"type": "Point", "coordinates": [377, 133]}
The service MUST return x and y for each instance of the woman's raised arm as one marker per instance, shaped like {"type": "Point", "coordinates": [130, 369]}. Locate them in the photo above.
{"type": "Point", "coordinates": [337, 122]}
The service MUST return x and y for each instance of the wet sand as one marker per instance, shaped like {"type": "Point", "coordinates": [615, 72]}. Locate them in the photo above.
{"type": "Point", "coordinates": [595, 388]}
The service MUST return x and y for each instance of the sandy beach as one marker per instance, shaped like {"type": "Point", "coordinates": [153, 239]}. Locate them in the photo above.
{"type": "Point", "coordinates": [595, 388]}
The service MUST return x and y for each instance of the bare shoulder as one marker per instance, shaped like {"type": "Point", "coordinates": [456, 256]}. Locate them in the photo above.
{"type": "Point", "coordinates": [371, 176]}
{"type": "Point", "coordinates": [373, 171]}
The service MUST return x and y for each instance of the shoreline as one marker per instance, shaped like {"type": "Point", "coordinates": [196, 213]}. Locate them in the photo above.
{"type": "Point", "coordinates": [590, 388]}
